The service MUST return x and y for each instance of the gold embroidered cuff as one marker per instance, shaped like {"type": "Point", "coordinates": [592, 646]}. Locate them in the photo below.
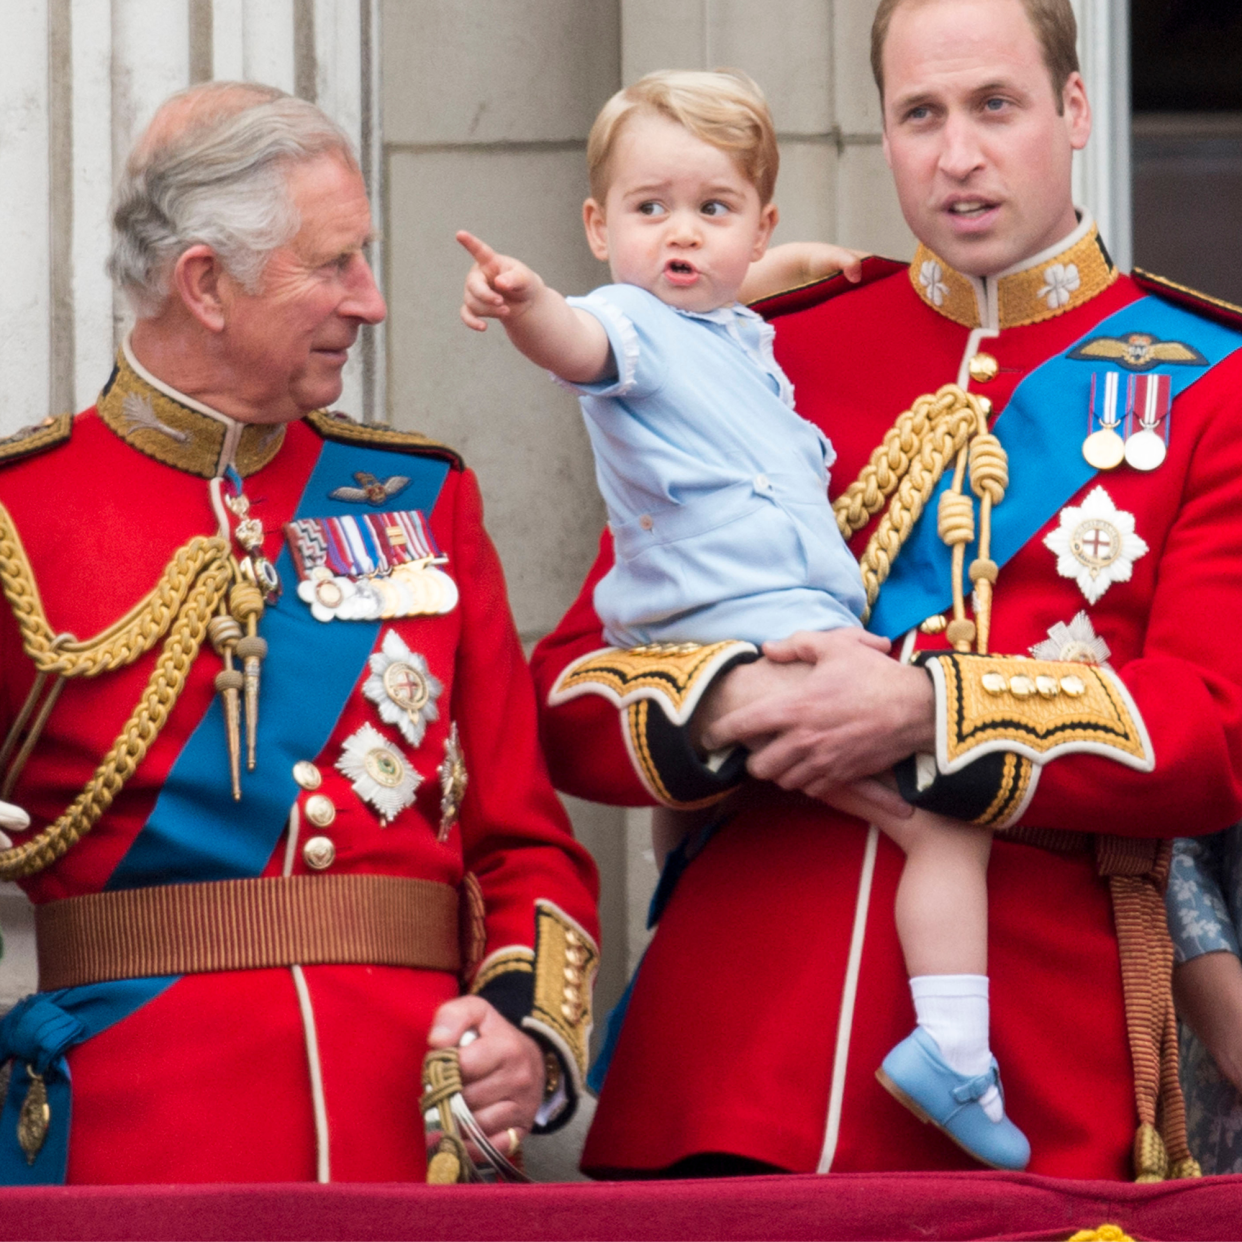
{"type": "Point", "coordinates": [992, 792]}
{"type": "Point", "coordinates": [674, 675]}
{"type": "Point", "coordinates": [1039, 709]}
{"type": "Point", "coordinates": [566, 958]}
{"type": "Point", "coordinates": [657, 689]}
{"type": "Point", "coordinates": [517, 958]}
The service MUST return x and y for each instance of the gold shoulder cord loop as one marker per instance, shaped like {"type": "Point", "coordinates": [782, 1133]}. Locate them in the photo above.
{"type": "Point", "coordinates": [908, 466]}
{"type": "Point", "coordinates": [188, 592]}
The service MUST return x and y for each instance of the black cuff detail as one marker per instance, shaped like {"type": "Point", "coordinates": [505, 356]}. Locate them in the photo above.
{"type": "Point", "coordinates": [971, 794]}
{"type": "Point", "coordinates": [511, 994]}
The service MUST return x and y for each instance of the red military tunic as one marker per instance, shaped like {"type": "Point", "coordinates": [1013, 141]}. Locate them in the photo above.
{"type": "Point", "coordinates": [750, 1031]}
{"type": "Point", "coordinates": [215, 1078]}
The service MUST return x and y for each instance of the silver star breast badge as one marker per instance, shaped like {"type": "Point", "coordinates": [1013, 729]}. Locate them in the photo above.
{"type": "Point", "coordinates": [403, 688]}
{"type": "Point", "coordinates": [1077, 642]}
{"type": "Point", "coordinates": [1095, 544]}
{"type": "Point", "coordinates": [381, 775]}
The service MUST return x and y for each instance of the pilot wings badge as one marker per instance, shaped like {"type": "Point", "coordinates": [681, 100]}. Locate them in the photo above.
{"type": "Point", "coordinates": [1138, 351]}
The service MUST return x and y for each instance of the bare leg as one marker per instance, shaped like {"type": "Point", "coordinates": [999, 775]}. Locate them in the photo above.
{"type": "Point", "coordinates": [942, 899]}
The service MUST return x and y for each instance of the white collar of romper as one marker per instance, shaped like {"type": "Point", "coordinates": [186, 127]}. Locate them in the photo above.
{"type": "Point", "coordinates": [724, 315]}
{"type": "Point", "coordinates": [1057, 279]}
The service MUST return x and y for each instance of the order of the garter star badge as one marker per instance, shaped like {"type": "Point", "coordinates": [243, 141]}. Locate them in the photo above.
{"type": "Point", "coordinates": [1095, 544]}
{"type": "Point", "coordinates": [403, 688]}
{"type": "Point", "coordinates": [379, 771]}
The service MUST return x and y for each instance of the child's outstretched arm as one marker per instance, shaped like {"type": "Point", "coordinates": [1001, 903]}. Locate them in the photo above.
{"type": "Point", "coordinates": [798, 263]}
{"type": "Point", "coordinates": [551, 333]}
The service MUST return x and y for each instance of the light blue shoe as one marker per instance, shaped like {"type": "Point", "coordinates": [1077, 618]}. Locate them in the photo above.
{"type": "Point", "coordinates": [916, 1074]}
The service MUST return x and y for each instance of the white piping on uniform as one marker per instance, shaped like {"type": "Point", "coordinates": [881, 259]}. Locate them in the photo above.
{"type": "Point", "coordinates": [323, 1174]}
{"type": "Point", "coordinates": [217, 503]}
{"type": "Point", "coordinates": [972, 348]}
{"type": "Point", "coordinates": [291, 846]}
{"type": "Point", "coordinates": [845, 1023]}
{"type": "Point", "coordinates": [853, 968]}
{"type": "Point", "coordinates": [907, 646]}
{"type": "Point", "coordinates": [308, 1023]}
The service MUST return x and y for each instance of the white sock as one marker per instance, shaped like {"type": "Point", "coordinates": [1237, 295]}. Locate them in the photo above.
{"type": "Point", "coordinates": [953, 1010]}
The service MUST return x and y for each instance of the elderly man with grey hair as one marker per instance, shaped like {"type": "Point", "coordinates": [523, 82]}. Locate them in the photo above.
{"type": "Point", "coordinates": [268, 716]}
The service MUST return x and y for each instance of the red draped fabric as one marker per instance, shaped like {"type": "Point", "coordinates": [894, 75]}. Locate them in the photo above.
{"type": "Point", "coordinates": [844, 1206]}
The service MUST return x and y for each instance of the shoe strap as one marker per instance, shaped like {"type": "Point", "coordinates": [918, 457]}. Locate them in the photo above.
{"type": "Point", "coordinates": [975, 1088]}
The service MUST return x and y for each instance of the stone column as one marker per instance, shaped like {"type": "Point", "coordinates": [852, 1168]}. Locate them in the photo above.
{"type": "Point", "coordinates": [82, 78]}
{"type": "Point", "coordinates": [1102, 177]}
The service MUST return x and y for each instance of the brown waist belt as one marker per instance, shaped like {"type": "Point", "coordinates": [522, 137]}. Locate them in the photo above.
{"type": "Point", "coordinates": [181, 929]}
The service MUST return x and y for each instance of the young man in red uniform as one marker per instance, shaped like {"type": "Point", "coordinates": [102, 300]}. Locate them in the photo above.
{"type": "Point", "coordinates": [1069, 669]}
{"type": "Point", "coordinates": [296, 831]}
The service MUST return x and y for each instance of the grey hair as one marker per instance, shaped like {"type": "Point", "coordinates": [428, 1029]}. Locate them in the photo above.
{"type": "Point", "coordinates": [218, 177]}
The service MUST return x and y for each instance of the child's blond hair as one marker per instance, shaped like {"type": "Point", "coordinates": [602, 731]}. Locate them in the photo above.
{"type": "Point", "coordinates": [725, 109]}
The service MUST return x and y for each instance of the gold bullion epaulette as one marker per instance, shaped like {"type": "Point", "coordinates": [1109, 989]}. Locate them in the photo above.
{"type": "Point", "coordinates": [1180, 295]}
{"type": "Point", "coordinates": [1039, 709]}
{"type": "Point", "coordinates": [51, 432]}
{"type": "Point", "coordinates": [333, 425]}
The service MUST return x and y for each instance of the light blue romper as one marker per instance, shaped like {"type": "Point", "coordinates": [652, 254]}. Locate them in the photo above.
{"type": "Point", "coordinates": [717, 491]}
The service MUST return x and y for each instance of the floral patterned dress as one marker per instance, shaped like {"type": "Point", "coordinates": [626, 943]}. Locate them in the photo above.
{"type": "Point", "coordinates": [1204, 901]}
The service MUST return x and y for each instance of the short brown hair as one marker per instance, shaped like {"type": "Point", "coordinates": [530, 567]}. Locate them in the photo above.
{"type": "Point", "coordinates": [1052, 21]}
{"type": "Point", "coordinates": [724, 108]}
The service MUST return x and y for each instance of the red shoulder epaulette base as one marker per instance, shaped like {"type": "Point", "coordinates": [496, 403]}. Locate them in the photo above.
{"type": "Point", "coordinates": [804, 296]}
{"type": "Point", "coordinates": [1201, 303]}
{"type": "Point", "coordinates": [37, 438]}
{"type": "Point", "coordinates": [332, 425]}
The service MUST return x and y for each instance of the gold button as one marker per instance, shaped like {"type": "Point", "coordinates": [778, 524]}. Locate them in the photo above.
{"type": "Point", "coordinates": [307, 775]}
{"type": "Point", "coordinates": [986, 406]}
{"type": "Point", "coordinates": [935, 625]}
{"type": "Point", "coordinates": [1073, 686]}
{"type": "Point", "coordinates": [983, 367]}
{"type": "Point", "coordinates": [319, 810]}
{"type": "Point", "coordinates": [1047, 687]}
{"type": "Point", "coordinates": [319, 853]}
{"type": "Point", "coordinates": [1021, 686]}
{"type": "Point", "coordinates": [994, 683]}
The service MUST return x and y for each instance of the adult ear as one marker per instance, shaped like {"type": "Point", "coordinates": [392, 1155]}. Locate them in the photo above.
{"type": "Point", "coordinates": [197, 278]}
{"type": "Point", "coordinates": [1077, 111]}
{"type": "Point", "coordinates": [596, 229]}
{"type": "Point", "coordinates": [769, 217]}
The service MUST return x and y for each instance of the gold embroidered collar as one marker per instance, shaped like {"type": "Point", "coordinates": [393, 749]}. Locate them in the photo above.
{"type": "Point", "coordinates": [1061, 278]}
{"type": "Point", "coordinates": [179, 431]}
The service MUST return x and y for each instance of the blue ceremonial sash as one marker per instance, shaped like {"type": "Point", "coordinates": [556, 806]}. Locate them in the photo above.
{"type": "Point", "coordinates": [1042, 430]}
{"type": "Point", "coordinates": [196, 831]}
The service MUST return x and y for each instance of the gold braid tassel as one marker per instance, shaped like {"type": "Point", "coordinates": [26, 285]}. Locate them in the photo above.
{"type": "Point", "coordinates": [133, 635]}
{"type": "Point", "coordinates": [907, 466]}
{"type": "Point", "coordinates": [450, 1161]}
{"type": "Point", "coordinates": [189, 591]}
